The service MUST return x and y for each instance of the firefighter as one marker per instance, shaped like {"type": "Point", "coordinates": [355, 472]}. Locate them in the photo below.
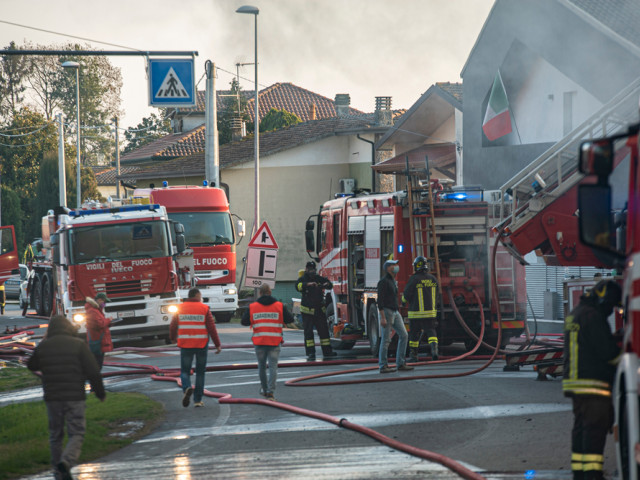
{"type": "Point", "coordinates": [312, 287]}
{"type": "Point", "coordinates": [421, 294]}
{"type": "Point", "coordinates": [3, 299]}
{"type": "Point", "coordinates": [590, 355]}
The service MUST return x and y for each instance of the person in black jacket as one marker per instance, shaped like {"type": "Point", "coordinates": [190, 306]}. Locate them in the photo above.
{"type": "Point", "coordinates": [590, 357]}
{"type": "Point", "coordinates": [312, 287]}
{"type": "Point", "coordinates": [66, 363]}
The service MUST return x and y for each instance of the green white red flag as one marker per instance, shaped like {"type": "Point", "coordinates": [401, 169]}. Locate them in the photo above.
{"type": "Point", "coordinates": [497, 119]}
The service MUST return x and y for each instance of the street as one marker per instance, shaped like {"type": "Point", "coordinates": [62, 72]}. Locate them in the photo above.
{"type": "Point", "coordinates": [503, 425]}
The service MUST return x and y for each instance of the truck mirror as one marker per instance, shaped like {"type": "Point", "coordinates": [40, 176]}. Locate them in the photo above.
{"type": "Point", "coordinates": [180, 243]}
{"type": "Point", "coordinates": [241, 228]}
{"type": "Point", "coordinates": [596, 157]}
{"type": "Point", "coordinates": [596, 227]}
{"type": "Point", "coordinates": [309, 240]}
{"type": "Point", "coordinates": [55, 249]}
{"type": "Point", "coordinates": [310, 225]}
{"type": "Point", "coordinates": [178, 228]}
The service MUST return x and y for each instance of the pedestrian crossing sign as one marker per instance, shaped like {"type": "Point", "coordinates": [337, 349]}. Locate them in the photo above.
{"type": "Point", "coordinates": [171, 83]}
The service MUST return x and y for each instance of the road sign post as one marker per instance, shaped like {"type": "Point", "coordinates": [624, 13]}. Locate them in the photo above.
{"type": "Point", "coordinates": [262, 257]}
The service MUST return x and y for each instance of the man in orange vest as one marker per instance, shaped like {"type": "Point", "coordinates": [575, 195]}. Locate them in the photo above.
{"type": "Point", "coordinates": [266, 317]}
{"type": "Point", "coordinates": [191, 327]}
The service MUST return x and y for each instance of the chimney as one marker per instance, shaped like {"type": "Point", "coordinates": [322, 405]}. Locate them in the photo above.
{"type": "Point", "coordinates": [238, 129]}
{"type": "Point", "coordinates": [342, 104]}
{"type": "Point", "coordinates": [312, 112]}
{"type": "Point", "coordinates": [383, 114]}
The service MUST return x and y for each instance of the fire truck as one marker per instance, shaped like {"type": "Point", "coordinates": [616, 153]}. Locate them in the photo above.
{"type": "Point", "coordinates": [125, 252]}
{"type": "Point", "coordinates": [209, 232]}
{"type": "Point", "coordinates": [357, 233]}
{"type": "Point", "coordinates": [608, 221]}
{"type": "Point", "coordinates": [9, 261]}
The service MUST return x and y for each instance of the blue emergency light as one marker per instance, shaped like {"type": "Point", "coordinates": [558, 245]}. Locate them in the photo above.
{"type": "Point", "coordinates": [124, 208]}
{"type": "Point", "coordinates": [400, 248]}
{"type": "Point", "coordinates": [165, 183]}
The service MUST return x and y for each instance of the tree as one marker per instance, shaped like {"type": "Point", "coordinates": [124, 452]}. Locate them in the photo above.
{"type": "Point", "coordinates": [13, 74]}
{"type": "Point", "coordinates": [151, 128]}
{"type": "Point", "coordinates": [276, 119]}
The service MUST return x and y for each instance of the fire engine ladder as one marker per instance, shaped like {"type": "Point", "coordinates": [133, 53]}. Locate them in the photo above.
{"type": "Point", "coordinates": [556, 171]}
{"type": "Point", "coordinates": [424, 241]}
{"type": "Point", "coordinates": [507, 301]}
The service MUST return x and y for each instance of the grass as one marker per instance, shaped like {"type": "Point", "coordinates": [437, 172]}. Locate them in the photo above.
{"type": "Point", "coordinates": [14, 378]}
{"type": "Point", "coordinates": [24, 436]}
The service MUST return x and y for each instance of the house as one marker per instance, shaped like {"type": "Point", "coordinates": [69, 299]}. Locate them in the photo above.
{"type": "Point", "coordinates": [301, 167]}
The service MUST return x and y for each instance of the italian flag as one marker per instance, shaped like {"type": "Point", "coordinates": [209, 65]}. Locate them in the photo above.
{"type": "Point", "coordinates": [497, 119]}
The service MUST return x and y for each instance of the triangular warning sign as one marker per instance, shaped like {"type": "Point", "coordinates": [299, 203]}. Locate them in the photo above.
{"type": "Point", "coordinates": [263, 238]}
{"type": "Point", "coordinates": [171, 86]}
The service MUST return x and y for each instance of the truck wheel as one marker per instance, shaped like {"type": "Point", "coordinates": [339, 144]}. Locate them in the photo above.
{"type": "Point", "coordinates": [372, 330]}
{"type": "Point", "coordinates": [47, 295]}
{"type": "Point", "coordinates": [223, 317]}
{"type": "Point", "coordinates": [37, 295]}
{"type": "Point", "coordinates": [336, 343]}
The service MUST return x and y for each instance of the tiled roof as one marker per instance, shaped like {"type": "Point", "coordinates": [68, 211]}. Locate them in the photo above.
{"type": "Point", "coordinates": [454, 89]}
{"type": "Point", "coordinates": [108, 175]}
{"type": "Point", "coordinates": [270, 143]}
{"type": "Point", "coordinates": [169, 146]}
{"type": "Point", "coordinates": [621, 16]}
{"type": "Point", "coordinates": [280, 96]}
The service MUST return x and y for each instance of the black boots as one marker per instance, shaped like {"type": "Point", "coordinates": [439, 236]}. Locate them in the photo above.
{"type": "Point", "coordinates": [434, 350]}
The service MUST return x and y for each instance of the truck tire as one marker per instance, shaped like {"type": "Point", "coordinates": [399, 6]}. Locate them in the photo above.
{"type": "Point", "coordinates": [47, 295]}
{"type": "Point", "coordinates": [373, 331]}
{"type": "Point", "coordinates": [223, 317]}
{"type": "Point", "coordinates": [36, 295]}
{"type": "Point", "coordinates": [336, 342]}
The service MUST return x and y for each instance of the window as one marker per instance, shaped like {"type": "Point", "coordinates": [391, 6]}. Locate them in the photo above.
{"type": "Point", "coordinates": [336, 230]}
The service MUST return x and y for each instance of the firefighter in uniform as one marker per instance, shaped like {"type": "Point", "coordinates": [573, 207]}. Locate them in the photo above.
{"type": "Point", "coordinates": [3, 299]}
{"type": "Point", "coordinates": [421, 293]}
{"type": "Point", "coordinates": [590, 356]}
{"type": "Point", "coordinates": [312, 287]}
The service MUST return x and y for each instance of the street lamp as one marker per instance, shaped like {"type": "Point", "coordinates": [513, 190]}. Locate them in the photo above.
{"type": "Point", "coordinates": [256, 122]}
{"type": "Point", "coordinates": [76, 66]}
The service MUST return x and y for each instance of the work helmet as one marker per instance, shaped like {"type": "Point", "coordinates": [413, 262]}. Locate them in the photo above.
{"type": "Point", "coordinates": [310, 265]}
{"type": "Point", "coordinates": [608, 293]}
{"type": "Point", "coordinates": [420, 263]}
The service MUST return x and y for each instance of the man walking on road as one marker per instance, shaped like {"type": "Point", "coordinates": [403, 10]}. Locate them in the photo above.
{"type": "Point", "coordinates": [66, 363]}
{"type": "Point", "coordinates": [266, 317]}
{"type": "Point", "coordinates": [312, 287]}
{"type": "Point", "coordinates": [590, 357]}
{"type": "Point", "coordinates": [390, 318]}
{"type": "Point", "coordinates": [191, 327]}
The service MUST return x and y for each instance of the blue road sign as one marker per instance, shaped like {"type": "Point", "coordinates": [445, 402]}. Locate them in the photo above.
{"type": "Point", "coordinates": [171, 83]}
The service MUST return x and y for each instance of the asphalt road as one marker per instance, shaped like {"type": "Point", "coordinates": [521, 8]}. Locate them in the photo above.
{"type": "Point", "coordinates": [504, 425]}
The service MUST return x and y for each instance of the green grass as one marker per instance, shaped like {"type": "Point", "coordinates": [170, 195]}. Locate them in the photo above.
{"type": "Point", "coordinates": [14, 378]}
{"type": "Point", "coordinates": [24, 436]}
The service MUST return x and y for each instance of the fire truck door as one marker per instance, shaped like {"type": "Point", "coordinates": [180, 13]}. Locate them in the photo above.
{"type": "Point", "coordinates": [372, 251]}
{"type": "Point", "coordinates": [8, 253]}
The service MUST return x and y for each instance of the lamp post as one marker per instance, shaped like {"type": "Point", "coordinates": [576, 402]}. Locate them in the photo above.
{"type": "Point", "coordinates": [76, 66]}
{"type": "Point", "coordinates": [256, 121]}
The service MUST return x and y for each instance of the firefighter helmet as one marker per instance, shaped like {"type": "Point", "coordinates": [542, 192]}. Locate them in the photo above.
{"type": "Point", "coordinates": [420, 263]}
{"type": "Point", "coordinates": [608, 292]}
{"type": "Point", "coordinates": [310, 265]}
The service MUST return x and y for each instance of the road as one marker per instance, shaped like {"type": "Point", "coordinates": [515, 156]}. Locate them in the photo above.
{"type": "Point", "coordinates": [504, 425]}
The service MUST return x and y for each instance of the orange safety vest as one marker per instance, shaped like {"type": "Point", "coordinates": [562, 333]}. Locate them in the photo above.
{"type": "Point", "coordinates": [192, 330]}
{"type": "Point", "coordinates": [266, 321]}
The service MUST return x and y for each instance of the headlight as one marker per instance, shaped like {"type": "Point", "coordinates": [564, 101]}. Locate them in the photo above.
{"type": "Point", "coordinates": [78, 317]}
{"type": "Point", "coordinates": [230, 291]}
{"type": "Point", "coordinates": [169, 309]}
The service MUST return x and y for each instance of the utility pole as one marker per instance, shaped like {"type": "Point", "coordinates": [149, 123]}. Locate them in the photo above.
{"type": "Point", "coordinates": [211, 150]}
{"type": "Point", "coordinates": [115, 120]}
{"type": "Point", "coordinates": [62, 179]}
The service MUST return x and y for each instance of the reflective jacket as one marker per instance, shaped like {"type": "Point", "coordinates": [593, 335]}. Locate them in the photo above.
{"type": "Point", "coordinates": [421, 295]}
{"type": "Point", "coordinates": [192, 325]}
{"type": "Point", "coordinates": [312, 300]}
{"type": "Point", "coordinates": [590, 351]}
{"type": "Point", "coordinates": [266, 316]}
{"type": "Point", "coordinates": [98, 325]}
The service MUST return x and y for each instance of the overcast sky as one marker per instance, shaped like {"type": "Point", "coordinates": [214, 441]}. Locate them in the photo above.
{"type": "Point", "coordinates": [365, 48]}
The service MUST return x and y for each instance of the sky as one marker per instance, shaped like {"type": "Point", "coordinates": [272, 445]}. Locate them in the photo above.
{"type": "Point", "coordinates": [365, 48]}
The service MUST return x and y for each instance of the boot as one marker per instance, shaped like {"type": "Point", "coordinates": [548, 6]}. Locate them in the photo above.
{"type": "Point", "coordinates": [434, 350]}
{"type": "Point", "coordinates": [413, 355]}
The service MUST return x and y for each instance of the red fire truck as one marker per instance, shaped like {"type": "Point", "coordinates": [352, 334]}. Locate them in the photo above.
{"type": "Point", "coordinates": [9, 261]}
{"type": "Point", "coordinates": [609, 224]}
{"type": "Point", "coordinates": [357, 233]}
{"type": "Point", "coordinates": [209, 232]}
{"type": "Point", "coordinates": [125, 252]}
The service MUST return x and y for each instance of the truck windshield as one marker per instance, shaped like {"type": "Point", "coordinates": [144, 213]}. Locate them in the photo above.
{"type": "Point", "coordinates": [115, 242]}
{"type": "Point", "coordinates": [202, 229]}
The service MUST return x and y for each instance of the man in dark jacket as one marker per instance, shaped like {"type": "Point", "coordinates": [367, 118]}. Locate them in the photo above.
{"type": "Point", "coordinates": [266, 317]}
{"type": "Point", "coordinates": [66, 363]}
{"type": "Point", "coordinates": [590, 356]}
{"type": "Point", "coordinates": [312, 287]}
{"type": "Point", "coordinates": [421, 294]}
